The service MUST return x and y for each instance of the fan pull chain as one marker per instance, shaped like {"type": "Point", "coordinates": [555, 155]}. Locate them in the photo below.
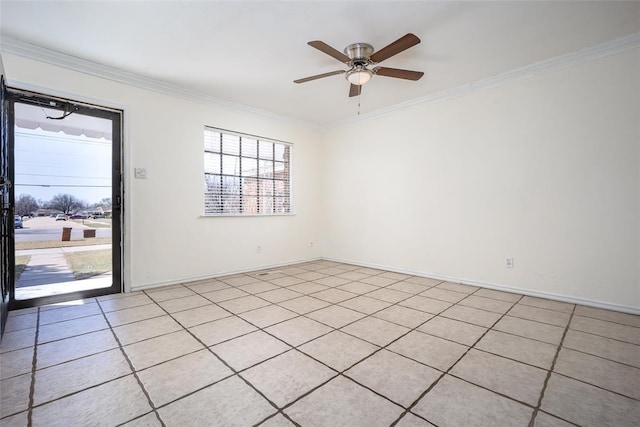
{"type": "Point", "coordinates": [359, 102]}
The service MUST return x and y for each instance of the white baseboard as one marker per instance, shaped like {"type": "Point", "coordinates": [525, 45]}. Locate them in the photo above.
{"type": "Point", "coordinates": [495, 286]}
{"type": "Point", "coordinates": [219, 274]}
{"type": "Point", "coordinates": [498, 287]}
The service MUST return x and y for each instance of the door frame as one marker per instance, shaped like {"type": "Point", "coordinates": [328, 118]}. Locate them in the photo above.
{"type": "Point", "coordinates": [7, 253]}
{"type": "Point", "coordinates": [16, 95]}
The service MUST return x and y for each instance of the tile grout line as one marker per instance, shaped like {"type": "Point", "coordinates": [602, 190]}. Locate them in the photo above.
{"type": "Point", "coordinates": [509, 314]}
{"type": "Point", "coordinates": [32, 387]}
{"type": "Point", "coordinates": [74, 336]}
{"type": "Point", "coordinates": [550, 371]}
{"type": "Point", "coordinates": [408, 409]}
{"type": "Point", "coordinates": [335, 275]}
{"type": "Point", "coordinates": [134, 372]}
{"type": "Point", "coordinates": [364, 294]}
{"type": "Point", "coordinates": [298, 315]}
{"type": "Point", "coordinates": [355, 296]}
{"type": "Point", "coordinates": [380, 348]}
{"type": "Point", "coordinates": [356, 267]}
{"type": "Point", "coordinates": [302, 396]}
{"type": "Point", "coordinates": [610, 321]}
{"type": "Point", "coordinates": [341, 373]}
{"type": "Point", "coordinates": [380, 273]}
{"type": "Point", "coordinates": [397, 303]}
{"type": "Point", "coordinates": [513, 334]}
{"type": "Point", "coordinates": [396, 281]}
{"type": "Point", "coordinates": [597, 386]}
{"type": "Point", "coordinates": [68, 320]}
{"type": "Point", "coordinates": [240, 372]}
{"type": "Point", "coordinates": [610, 338]}
{"type": "Point", "coordinates": [433, 385]}
{"type": "Point", "coordinates": [365, 316]}
{"type": "Point", "coordinates": [602, 358]}
{"type": "Point", "coordinates": [64, 362]}
{"type": "Point", "coordinates": [615, 322]}
{"type": "Point", "coordinates": [224, 341]}
{"type": "Point", "coordinates": [234, 371]}
{"type": "Point", "coordinates": [79, 391]}
{"type": "Point", "coordinates": [347, 368]}
{"type": "Point", "coordinates": [261, 329]}
{"type": "Point", "coordinates": [68, 361]}
{"type": "Point", "coordinates": [409, 295]}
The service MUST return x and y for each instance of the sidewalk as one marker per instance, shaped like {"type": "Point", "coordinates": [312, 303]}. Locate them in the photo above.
{"type": "Point", "coordinates": [48, 266]}
{"type": "Point", "coordinates": [62, 250]}
{"type": "Point", "coordinates": [45, 268]}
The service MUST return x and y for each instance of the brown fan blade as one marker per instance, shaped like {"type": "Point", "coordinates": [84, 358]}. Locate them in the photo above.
{"type": "Point", "coordinates": [398, 73]}
{"type": "Point", "coordinates": [323, 47]}
{"type": "Point", "coordinates": [319, 76]}
{"type": "Point", "coordinates": [403, 43]}
{"type": "Point", "coordinates": [355, 90]}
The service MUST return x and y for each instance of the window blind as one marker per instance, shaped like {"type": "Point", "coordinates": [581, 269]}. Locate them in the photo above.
{"type": "Point", "coordinates": [245, 174]}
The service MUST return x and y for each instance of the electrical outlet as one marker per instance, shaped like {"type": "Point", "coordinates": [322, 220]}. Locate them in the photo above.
{"type": "Point", "coordinates": [508, 262]}
{"type": "Point", "coordinates": [259, 249]}
{"type": "Point", "coordinates": [311, 244]}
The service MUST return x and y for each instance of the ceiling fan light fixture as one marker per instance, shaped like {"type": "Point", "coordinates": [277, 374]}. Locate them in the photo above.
{"type": "Point", "coordinates": [359, 76]}
{"type": "Point", "coordinates": [359, 56]}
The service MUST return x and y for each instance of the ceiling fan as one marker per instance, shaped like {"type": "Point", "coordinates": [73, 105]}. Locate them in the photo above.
{"type": "Point", "coordinates": [360, 57]}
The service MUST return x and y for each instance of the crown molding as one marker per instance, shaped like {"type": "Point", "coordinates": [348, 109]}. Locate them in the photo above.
{"type": "Point", "coordinates": [42, 54]}
{"type": "Point", "coordinates": [38, 53]}
{"type": "Point", "coordinates": [603, 50]}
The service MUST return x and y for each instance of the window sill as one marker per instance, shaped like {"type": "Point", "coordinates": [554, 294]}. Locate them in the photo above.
{"type": "Point", "coordinates": [247, 215]}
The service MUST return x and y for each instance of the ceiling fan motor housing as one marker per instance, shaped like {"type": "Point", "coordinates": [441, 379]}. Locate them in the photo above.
{"type": "Point", "coordinates": [359, 51]}
{"type": "Point", "coordinates": [359, 54]}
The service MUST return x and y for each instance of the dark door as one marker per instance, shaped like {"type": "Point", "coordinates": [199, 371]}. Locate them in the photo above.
{"type": "Point", "coordinates": [6, 207]}
{"type": "Point", "coordinates": [63, 108]}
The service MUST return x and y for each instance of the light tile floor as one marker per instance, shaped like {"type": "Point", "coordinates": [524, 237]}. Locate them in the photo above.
{"type": "Point", "coordinates": [320, 344]}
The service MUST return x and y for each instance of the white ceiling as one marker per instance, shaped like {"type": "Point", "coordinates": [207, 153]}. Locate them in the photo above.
{"type": "Point", "coordinates": [249, 53]}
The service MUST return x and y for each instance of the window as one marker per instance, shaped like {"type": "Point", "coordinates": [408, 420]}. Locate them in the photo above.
{"type": "Point", "coordinates": [245, 175]}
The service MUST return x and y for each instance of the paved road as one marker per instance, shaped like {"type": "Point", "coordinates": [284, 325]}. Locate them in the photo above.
{"type": "Point", "coordinates": [45, 228]}
{"type": "Point", "coordinates": [28, 235]}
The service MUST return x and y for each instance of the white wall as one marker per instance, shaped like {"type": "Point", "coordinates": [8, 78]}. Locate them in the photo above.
{"type": "Point", "coordinates": [166, 239]}
{"type": "Point", "coordinates": [544, 170]}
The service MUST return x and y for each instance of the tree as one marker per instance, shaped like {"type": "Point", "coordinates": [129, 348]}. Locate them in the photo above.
{"type": "Point", "coordinates": [25, 204]}
{"type": "Point", "coordinates": [65, 203]}
{"type": "Point", "coordinates": [102, 203]}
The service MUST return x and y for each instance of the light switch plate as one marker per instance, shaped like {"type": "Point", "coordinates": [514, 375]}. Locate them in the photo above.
{"type": "Point", "coordinates": [140, 173]}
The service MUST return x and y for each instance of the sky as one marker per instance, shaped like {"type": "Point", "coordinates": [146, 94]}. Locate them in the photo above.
{"type": "Point", "coordinates": [49, 163]}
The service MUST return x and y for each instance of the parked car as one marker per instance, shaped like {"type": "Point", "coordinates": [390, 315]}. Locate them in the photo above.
{"type": "Point", "coordinates": [17, 221]}
{"type": "Point", "coordinates": [80, 215]}
{"type": "Point", "coordinates": [61, 217]}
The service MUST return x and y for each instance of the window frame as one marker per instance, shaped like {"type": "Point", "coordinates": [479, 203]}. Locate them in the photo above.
{"type": "Point", "coordinates": [279, 205]}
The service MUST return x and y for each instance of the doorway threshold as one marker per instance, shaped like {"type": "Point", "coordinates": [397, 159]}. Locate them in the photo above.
{"type": "Point", "coordinates": [97, 282]}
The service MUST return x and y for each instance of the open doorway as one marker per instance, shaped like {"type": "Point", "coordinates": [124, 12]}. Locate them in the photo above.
{"type": "Point", "coordinates": [67, 194]}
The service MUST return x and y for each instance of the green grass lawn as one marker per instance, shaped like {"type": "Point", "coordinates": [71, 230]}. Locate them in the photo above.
{"type": "Point", "coordinates": [46, 244]}
{"type": "Point", "coordinates": [94, 223]}
{"type": "Point", "coordinates": [21, 264]}
{"type": "Point", "coordinates": [90, 263]}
